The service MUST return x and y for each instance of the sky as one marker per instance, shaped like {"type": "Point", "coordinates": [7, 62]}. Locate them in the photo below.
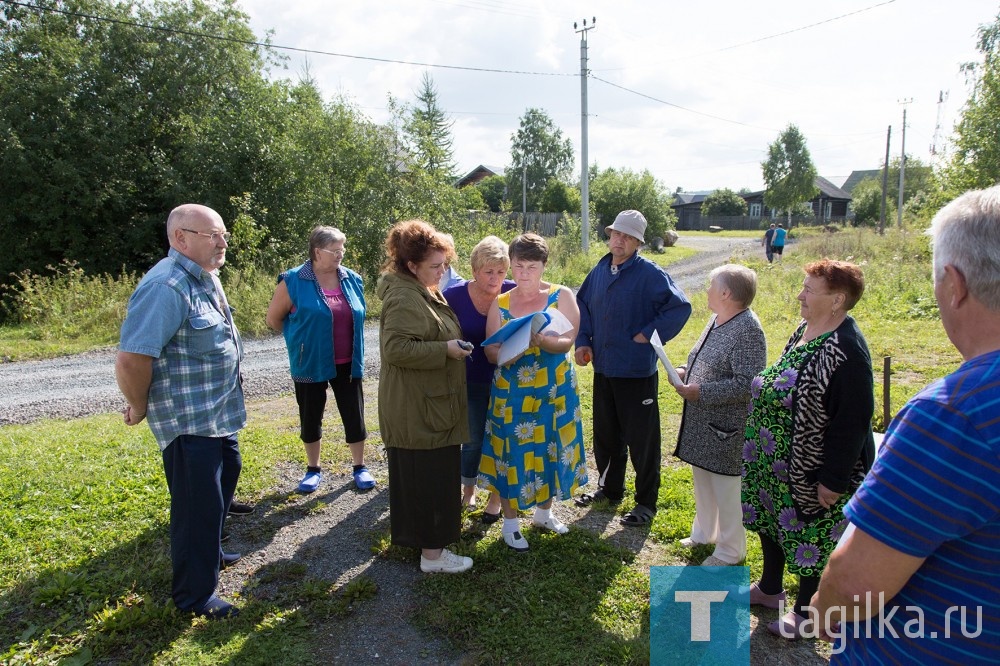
{"type": "Point", "coordinates": [694, 92]}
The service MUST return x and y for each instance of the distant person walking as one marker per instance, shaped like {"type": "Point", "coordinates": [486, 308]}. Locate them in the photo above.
{"type": "Point", "coordinates": [778, 241]}
{"type": "Point", "coordinates": [178, 366]}
{"type": "Point", "coordinates": [766, 243]}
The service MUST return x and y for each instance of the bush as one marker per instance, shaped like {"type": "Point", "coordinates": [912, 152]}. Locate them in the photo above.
{"type": "Point", "coordinates": [68, 304]}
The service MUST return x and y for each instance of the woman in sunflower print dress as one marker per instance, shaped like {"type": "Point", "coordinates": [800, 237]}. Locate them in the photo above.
{"type": "Point", "coordinates": [808, 440]}
{"type": "Point", "coordinates": [533, 445]}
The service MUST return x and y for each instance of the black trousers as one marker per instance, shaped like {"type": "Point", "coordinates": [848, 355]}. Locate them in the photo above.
{"type": "Point", "coordinates": [627, 425]}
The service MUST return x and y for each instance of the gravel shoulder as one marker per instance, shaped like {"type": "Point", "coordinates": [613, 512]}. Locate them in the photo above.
{"type": "Point", "coordinates": [331, 532]}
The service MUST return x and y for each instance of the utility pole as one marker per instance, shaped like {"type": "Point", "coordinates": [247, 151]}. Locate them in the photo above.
{"type": "Point", "coordinates": [885, 183]}
{"type": "Point", "coordinates": [584, 168]}
{"type": "Point", "coordinates": [902, 166]}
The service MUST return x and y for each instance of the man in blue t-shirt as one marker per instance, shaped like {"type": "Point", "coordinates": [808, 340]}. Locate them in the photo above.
{"type": "Point", "coordinates": [778, 241]}
{"type": "Point", "coordinates": [917, 579]}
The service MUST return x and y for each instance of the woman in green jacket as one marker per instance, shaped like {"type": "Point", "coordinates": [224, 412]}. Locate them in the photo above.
{"type": "Point", "coordinates": [421, 397]}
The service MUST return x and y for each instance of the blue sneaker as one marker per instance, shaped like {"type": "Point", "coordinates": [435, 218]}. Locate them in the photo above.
{"type": "Point", "coordinates": [363, 479]}
{"type": "Point", "coordinates": [310, 482]}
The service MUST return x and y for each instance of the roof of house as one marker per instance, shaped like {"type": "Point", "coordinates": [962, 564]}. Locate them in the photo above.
{"type": "Point", "coordinates": [685, 198]}
{"type": "Point", "coordinates": [477, 174]}
{"type": "Point", "coordinates": [858, 176]}
{"type": "Point", "coordinates": [829, 189]}
{"type": "Point", "coordinates": [826, 188]}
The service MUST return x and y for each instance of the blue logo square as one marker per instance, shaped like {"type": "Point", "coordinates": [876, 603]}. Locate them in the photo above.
{"type": "Point", "coordinates": [699, 615]}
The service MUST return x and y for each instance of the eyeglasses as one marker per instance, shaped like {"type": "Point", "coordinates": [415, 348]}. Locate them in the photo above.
{"type": "Point", "coordinates": [336, 253]}
{"type": "Point", "coordinates": [215, 235]}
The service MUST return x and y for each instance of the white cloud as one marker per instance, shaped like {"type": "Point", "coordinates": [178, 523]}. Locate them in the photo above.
{"type": "Point", "coordinates": [741, 71]}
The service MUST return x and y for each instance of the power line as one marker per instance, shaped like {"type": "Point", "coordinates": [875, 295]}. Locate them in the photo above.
{"type": "Point", "coordinates": [764, 38]}
{"type": "Point", "coordinates": [250, 42]}
{"type": "Point", "coordinates": [682, 108]}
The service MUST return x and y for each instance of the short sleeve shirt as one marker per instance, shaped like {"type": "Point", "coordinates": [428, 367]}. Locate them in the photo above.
{"type": "Point", "coordinates": [177, 315]}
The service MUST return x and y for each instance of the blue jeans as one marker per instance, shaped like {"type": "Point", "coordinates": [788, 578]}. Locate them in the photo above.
{"type": "Point", "coordinates": [201, 474]}
{"type": "Point", "coordinates": [479, 401]}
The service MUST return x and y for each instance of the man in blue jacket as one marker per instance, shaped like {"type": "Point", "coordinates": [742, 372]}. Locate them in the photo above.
{"type": "Point", "coordinates": [622, 301]}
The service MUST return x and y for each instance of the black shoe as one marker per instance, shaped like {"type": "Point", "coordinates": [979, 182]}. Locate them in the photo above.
{"type": "Point", "coordinates": [240, 509]}
{"type": "Point", "coordinates": [490, 518]}
{"type": "Point", "coordinates": [217, 609]}
{"type": "Point", "coordinates": [586, 500]}
{"type": "Point", "coordinates": [229, 559]}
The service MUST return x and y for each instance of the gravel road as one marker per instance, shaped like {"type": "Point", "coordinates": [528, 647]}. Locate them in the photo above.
{"type": "Point", "coordinates": [84, 384]}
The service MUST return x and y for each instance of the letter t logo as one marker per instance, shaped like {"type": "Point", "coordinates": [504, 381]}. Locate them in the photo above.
{"type": "Point", "coordinates": [701, 610]}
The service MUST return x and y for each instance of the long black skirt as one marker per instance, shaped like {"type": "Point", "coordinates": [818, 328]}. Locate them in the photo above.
{"type": "Point", "coordinates": [425, 499]}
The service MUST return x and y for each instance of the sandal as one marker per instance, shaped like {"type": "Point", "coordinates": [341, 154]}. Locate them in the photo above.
{"type": "Point", "coordinates": [587, 499]}
{"type": "Point", "coordinates": [638, 516]}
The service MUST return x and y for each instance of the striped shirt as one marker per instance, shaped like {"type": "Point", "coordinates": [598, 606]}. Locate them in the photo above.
{"type": "Point", "coordinates": [934, 493]}
{"type": "Point", "coordinates": [177, 315]}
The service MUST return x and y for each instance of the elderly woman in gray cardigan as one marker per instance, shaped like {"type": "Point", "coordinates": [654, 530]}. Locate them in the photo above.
{"type": "Point", "coordinates": [716, 390]}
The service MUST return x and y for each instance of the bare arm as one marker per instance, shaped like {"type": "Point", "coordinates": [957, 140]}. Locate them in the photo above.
{"type": "Point", "coordinates": [134, 373]}
{"type": "Point", "coordinates": [278, 308]}
{"type": "Point", "coordinates": [862, 568]}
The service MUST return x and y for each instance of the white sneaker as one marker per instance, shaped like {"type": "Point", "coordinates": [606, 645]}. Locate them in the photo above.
{"type": "Point", "coordinates": [449, 562]}
{"type": "Point", "coordinates": [515, 541]}
{"type": "Point", "coordinates": [552, 524]}
{"type": "Point", "coordinates": [713, 561]}
{"type": "Point", "coordinates": [688, 542]}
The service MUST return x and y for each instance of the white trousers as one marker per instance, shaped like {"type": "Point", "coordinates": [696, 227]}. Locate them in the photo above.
{"type": "Point", "coordinates": [718, 514]}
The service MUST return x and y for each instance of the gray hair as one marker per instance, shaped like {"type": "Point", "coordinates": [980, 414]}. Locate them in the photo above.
{"type": "Point", "coordinates": [739, 280]}
{"type": "Point", "coordinates": [322, 236]}
{"type": "Point", "coordinates": [490, 251]}
{"type": "Point", "coordinates": [966, 234]}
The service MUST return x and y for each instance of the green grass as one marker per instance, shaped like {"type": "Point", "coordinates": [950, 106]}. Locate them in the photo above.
{"type": "Point", "coordinates": [84, 558]}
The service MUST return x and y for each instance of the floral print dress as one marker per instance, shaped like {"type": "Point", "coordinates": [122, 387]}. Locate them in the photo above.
{"type": "Point", "coordinates": [533, 445]}
{"type": "Point", "coordinates": [768, 508]}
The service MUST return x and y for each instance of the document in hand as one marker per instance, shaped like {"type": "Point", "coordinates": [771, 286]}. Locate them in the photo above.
{"type": "Point", "coordinates": [514, 337]}
{"type": "Point", "coordinates": [672, 375]}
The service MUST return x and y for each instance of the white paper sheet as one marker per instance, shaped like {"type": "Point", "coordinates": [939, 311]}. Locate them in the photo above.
{"type": "Point", "coordinates": [672, 375]}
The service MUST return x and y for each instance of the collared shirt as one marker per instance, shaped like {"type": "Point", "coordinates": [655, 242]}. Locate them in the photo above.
{"type": "Point", "coordinates": [177, 316]}
{"type": "Point", "coordinates": [616, 305]}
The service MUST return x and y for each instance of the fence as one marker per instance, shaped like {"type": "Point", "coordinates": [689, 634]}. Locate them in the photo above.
{"type": "Point", "coordinates": [747, 223]}
{"type": "Point", "coordinates": [545, 224]}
